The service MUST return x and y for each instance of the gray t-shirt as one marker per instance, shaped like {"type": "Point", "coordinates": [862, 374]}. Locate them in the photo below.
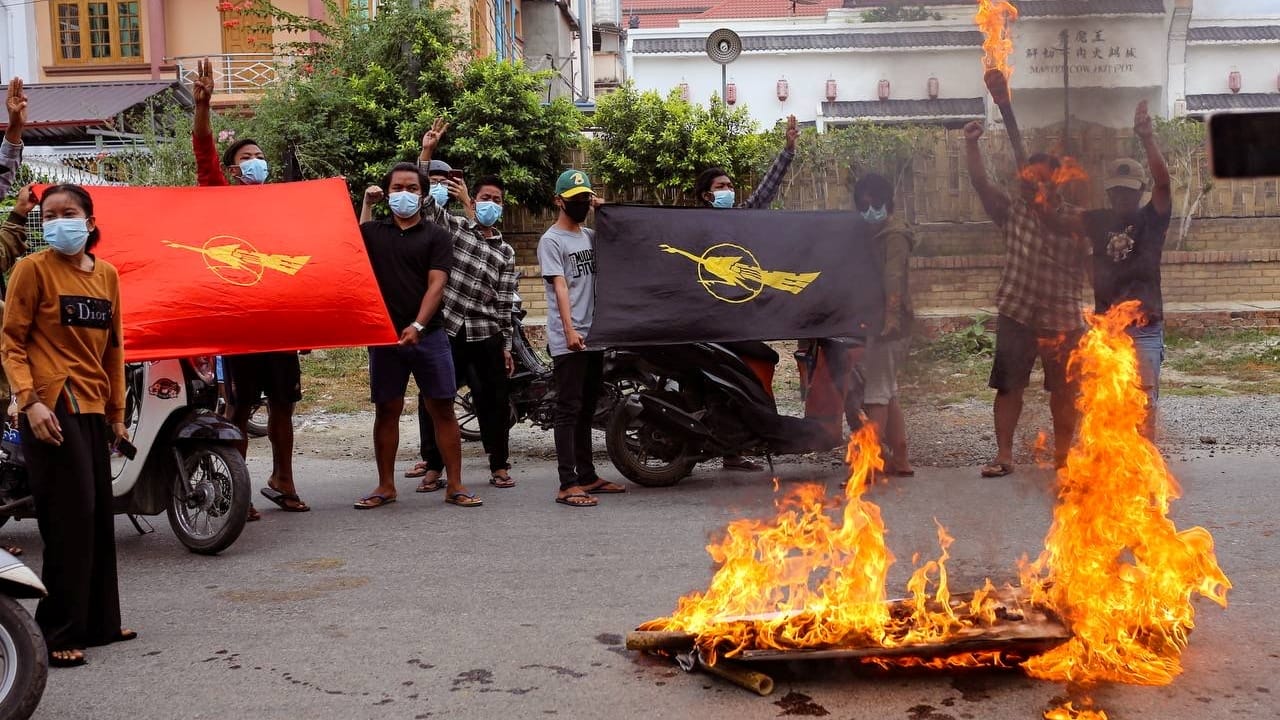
{"type": "Point", "coordinates": [569, 255]}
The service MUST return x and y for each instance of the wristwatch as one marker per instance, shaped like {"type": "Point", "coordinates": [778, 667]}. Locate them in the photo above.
{"type": "Point", "coordinates": [418, 326]}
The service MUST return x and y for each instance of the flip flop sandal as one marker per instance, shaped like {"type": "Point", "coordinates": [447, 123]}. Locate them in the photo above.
{"type": "Point", "coordinates": [418, 470]}
{"type": "Point", "coordinates": [501, 481]}
{"type": "Point", "coordinates": [375, 500]}
{"type": "Point", "coordinates": [427, 486]}
{"type": "Point", "coordinates": [254, 515]}
{"type": "Point", "coordinates": [464, 500]}
{"type": "Point", "coordinates": [126, 635]}
{"type": "Point", "coordinates": [572, 501]}
{"type": "Point", "coordinates": [288, 502]}
{"type": "Point", "coordinates": [66, 662]}
{"type": "Point", "coordinates": [997, 469]}
{"type": "Point", "coordinates": [604, 488]}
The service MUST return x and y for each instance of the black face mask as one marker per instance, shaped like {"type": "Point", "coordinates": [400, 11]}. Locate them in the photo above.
{"type": "Point", "coordinates": [577, 209]}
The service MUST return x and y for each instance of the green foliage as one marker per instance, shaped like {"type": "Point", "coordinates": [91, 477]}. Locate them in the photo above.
{"type": "Point", "coordinates": [654, 147]}
{"type": "Point", "coordinates": [1182, 141]}
{"type": "Point", "coordinates": [969, 342]}
{"type": "Point", "coordinates": [900, 13]}
{"type": "Point", "coordinates": [864, 147]}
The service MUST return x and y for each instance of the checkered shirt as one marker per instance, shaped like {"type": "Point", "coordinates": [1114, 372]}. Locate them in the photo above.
{"type": "Point", "coordinates": [481, 290]}
{"type": "Point", "coordinates": [1044, 270]}
{"type": "Point", "coordinates": [10, 159]}
{"type": "Point", "coordinates": [768, 188]}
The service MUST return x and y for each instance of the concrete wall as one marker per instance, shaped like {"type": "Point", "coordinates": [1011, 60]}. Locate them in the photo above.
{"type": "Point", "coordinates": [18, 54]}
{"type": "Point", "coordinates": [1209, 65]}
{"type": "Point", "coordinates": [549, 43]}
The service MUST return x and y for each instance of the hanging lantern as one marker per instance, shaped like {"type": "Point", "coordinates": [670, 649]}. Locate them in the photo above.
{"type": "Point", "coordinates": [831, 90]}
{"type": "Point", "coordinates": [731, 93]}
{"type": "Point", "coordinates": [1233, 81]}
{"type": "Point", "coordinates": [882, 90]}
{"type": "Point", "coordinates": [933, 88]}
{"type": "Point", "coordinates": [684, 91]}
{"type": "Point", "coordinates": [784, 90]}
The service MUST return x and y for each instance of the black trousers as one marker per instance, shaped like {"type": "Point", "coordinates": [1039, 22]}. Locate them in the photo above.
{"type": "Point", "coordinates": [479, 366]}
{"type": "Point", "coordinates": [578, 377]}
{"type": "Point", "coordinates": [71, 484]}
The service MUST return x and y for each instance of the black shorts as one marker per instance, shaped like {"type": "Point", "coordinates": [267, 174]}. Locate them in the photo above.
{"type": "Point", "coordinates": [1018, 346]}
{"type": "Point", "coordinates": [430, 363]}
{"type": "Point", "coordinates": [277, 375]}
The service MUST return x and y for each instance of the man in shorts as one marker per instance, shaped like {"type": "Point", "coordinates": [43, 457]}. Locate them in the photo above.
{"type": "Point", "coordinates": [411, 260]}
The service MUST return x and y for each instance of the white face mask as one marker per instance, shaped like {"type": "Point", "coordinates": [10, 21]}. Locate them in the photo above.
{"type": "Point", "coordinates": [404, 203]}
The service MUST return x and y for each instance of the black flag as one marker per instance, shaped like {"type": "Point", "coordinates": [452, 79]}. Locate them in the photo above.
{"type": "Point", "coordinates": [676, 275]}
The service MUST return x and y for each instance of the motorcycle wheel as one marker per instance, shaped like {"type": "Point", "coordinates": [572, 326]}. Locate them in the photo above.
{"type": "Point", "coordinates": [217, 500]}
{"type": "Point", "coordinates": [631, 445]}
{"type": "Point", "coordinates": [465, 410]}
{"type": "Point", "coordinates": [258, 421]}
{"type": "Point", "coordinates": [24, 661]}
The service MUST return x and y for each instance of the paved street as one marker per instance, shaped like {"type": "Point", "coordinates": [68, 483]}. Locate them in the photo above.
{"type": "Point", "coordinates": [517, 609]}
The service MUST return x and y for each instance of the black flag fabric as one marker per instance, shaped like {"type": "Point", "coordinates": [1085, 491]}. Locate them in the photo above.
{"type": "Point", "coordinates": [677, 275]}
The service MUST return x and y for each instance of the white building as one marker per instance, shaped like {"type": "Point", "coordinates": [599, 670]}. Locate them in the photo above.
{"type": "Point", "coordinates": [17, 38]}
{"type": "Point", "coordinates": [834, 68]}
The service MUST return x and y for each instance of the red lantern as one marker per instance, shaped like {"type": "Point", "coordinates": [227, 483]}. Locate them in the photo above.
{"type": "Point", "coordinates": [684, 91]}
{"type": "Point", "coordinates": [883, 89]}
{"type": "Point", "coordinates": [784, 90]}
{"type": "Point", "coordinates": [933, 88]}
{"type": "Point", "coordinates": [831, 90]}
{"type": "Point", "coordinates": [731, 93]}
{"type": "Point", "coordinates": [1233, 81]}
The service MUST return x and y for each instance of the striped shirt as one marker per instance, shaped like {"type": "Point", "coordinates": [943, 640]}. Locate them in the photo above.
{"type": "Point", "coordinates": [481, 291]}
{"type": "Point", "coordinates": [10, 159]}
{"type": "Point", "coordinates": [1044, 270]}
{"type": "Point", "coordinates": [768, 188]}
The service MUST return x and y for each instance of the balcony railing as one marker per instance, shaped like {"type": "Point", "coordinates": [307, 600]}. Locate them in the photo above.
{"type": "Point", "coordinates": [235, 73]}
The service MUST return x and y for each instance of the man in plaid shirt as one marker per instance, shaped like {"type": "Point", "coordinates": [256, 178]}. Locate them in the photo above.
{"type": "Point", "coordinates": [1039, 297]}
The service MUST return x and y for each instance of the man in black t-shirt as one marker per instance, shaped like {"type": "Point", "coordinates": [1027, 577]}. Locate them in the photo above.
{"type": "Point", "coordinates": [411, 260]}
{"type": "Point", "coordinates": [1128, 239]}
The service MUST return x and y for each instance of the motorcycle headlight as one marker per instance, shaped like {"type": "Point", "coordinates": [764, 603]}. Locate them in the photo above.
{"type": "Point", "coordinates": [204, 368]}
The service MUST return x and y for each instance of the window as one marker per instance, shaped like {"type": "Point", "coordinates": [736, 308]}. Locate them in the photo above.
{"type": "Point", "coordinates": [360, 9]}
{"type": "Point", "coordinates": [89, 31]}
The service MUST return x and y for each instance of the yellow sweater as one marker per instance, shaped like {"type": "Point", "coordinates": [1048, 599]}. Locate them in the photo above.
{"type": "Point", "coordinates": [62, 336]}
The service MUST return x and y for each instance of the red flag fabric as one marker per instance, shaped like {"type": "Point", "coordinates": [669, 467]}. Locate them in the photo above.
{"type": "Point", "coordinates": [231, 270]}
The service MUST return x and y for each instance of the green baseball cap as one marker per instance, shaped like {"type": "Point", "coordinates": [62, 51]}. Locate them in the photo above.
{"type": "Point", "coordinates": [573, 182]}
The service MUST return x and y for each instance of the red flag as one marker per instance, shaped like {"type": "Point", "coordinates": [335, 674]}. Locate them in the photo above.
{"type": "Point", "coordinates": [231, 270]}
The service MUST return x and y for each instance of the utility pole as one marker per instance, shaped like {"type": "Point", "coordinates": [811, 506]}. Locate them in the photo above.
{"type": "Point", "coordinates": [1065, 36]}
{"type": "Point", "coordinates": [411, 58]}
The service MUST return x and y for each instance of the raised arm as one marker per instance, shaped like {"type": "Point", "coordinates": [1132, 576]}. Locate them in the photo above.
{"type": "Point", "coordinates": [1161, 184]}
{"type": "Point", "coordinates": [994, 202]}
{"type": "Point", "coordinates": [431, 139]}
{"type": "Point", "coordinates": [208, 168]}
{"type": "Point", "coordinates": [768, 188]}
{"type": "Point", "coordinates": [11, 146]}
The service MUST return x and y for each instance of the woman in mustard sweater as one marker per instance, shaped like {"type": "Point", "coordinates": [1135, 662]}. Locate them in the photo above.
{"type": "Point", "coordinates": [62, 351]}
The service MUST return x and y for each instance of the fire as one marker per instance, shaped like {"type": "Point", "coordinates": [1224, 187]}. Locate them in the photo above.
{"type": "Point", "coordinates": [807, 578]}
{"type": "Point", "coordinates": [994, 18]}
{"type": "Point", "coordinates": [1049, 183]}
{"type": "Point", "coordinates": [1115, 568]}
{"type": "Point", "coordinates": [1071, 712]}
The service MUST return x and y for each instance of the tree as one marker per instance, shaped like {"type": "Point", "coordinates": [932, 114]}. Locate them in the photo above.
{"type": "Point", "coordinates": [863, 147]}
{"type": "Point", "coordinates": [899, 12]}
{"type": "Point", "coordinates": [1182, 141]}
{"type": "Point", "coordinates": [652, 148]}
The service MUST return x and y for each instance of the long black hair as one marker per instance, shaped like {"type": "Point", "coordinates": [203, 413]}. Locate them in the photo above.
{"type": "Point", "coordinates": [80, 197]}
{"type": "Point", "coordinates": [702, 185]}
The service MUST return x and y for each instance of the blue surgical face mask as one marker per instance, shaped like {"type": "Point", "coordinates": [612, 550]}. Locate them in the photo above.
{"type": "Point", "coordinates": [488, 213]}
{"type": "Point", "coordinates": [404, 203]}
{"type": "Point", "coordinates": [66, 235]}
{"type": "Point", "coordinates": [723, 199]}
{"type": "Point", "coordinates": [875, 215]}
{"type": "Point", "coordinates": [253, 171]}
{"type": "Point", "coordinates": [440, 193]}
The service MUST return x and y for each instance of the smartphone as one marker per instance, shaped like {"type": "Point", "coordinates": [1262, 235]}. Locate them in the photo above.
{"type": "Point", "coordinates": [455, 175]}
{"type": "Point", "coordinates": [126, 448]}
{"type": "Point", "coordinates": [1245, 144]}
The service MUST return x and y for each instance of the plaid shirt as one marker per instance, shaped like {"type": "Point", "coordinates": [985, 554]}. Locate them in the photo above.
{"type": "Point", "coordinates": [1043, 273]}
{"type": "Point", "coordinates": [768, 188]}
{"type": "Point", "coordinates": [481, 290]}
{"type": "Point", "coordinates": [10, 159]}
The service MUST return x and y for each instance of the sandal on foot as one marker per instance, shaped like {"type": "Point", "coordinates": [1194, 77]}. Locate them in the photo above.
{"type": "Point", "coordinates": [254, 515]}
{"type": "Point", "coordinates": [501, 481]}
{"type": "Point", "coordinates": [418, 470]}
{"type": "Point", "coordinates": [369, 502]}
{"type": "Point", "coordinates": [67, 658]}
{"type": "Point", "coordinates": [997, 469]}
{"type": "Point", "coordinates": [430, 484]}
{"type": "Point", "coordinates": [578, 500]}
{"type": "Point", "coordinates": [126, 635]}
{"type": "Point", "coordinates": [603, 487]}
{"type": "Point", "coordinates": [288, 502]}
{"type": "Point", "coordinates": [462, 499]}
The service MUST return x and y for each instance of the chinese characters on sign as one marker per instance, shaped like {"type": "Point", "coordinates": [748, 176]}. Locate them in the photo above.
{"type": "Point", "coordinates": [1094, 56]}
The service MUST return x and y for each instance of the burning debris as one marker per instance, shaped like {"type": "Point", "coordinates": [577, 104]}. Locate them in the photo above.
{"type": "Point", "coordinates": [1109, 599]}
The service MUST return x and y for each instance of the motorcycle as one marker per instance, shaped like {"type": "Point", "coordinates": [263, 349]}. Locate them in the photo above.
{"type": "Point", "coordinates": [712, 400]}
{"type": "Point", "coordinates": [23, 654]}
{"type": "Point", "coordinates": [531, 388]}
{"type": "Point", "coordinates": [186, 462]}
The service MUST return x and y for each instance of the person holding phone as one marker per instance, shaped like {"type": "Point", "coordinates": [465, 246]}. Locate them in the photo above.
{"type": "Point", "coordinates": [62, 348]}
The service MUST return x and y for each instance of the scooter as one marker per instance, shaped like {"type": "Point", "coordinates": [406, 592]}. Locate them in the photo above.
{"type": "Point", "coordinates": [713, 400]}
{"type": "Point", "coordinates": [23, 654]}
{"type": "Point", "coordinates": [186, 462]}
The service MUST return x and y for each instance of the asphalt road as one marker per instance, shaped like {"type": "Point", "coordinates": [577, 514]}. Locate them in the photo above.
{"type": "Point", "coordinates": [517, 609]}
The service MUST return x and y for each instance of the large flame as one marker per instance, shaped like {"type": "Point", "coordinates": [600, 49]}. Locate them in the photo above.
{"type": "Point", "coordinates": [1114, 566]}
{"type": "Point", "coordinates": [1049, 183]}
{"type": "Point", "coordinates": [994, 18]}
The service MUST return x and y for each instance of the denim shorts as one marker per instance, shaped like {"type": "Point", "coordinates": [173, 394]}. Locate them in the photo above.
{"type": "Point", "coordinates": [430, 362]}
{"type": "Point", "coordinates": [1148, 340]}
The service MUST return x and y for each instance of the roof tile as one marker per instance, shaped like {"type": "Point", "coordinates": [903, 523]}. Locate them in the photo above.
{"type": "Point", "coordinates": [1234, 34]}
{"type": "Point", "coordinates": [1233, 101]}
{"type": "Point", "coordinates": [942, 108]}
{"type": "Point", "coordinates": [818, 41]}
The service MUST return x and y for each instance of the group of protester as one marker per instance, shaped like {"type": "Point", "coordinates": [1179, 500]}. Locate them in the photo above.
{"type": "Point", "coordinates": [448, 280]}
